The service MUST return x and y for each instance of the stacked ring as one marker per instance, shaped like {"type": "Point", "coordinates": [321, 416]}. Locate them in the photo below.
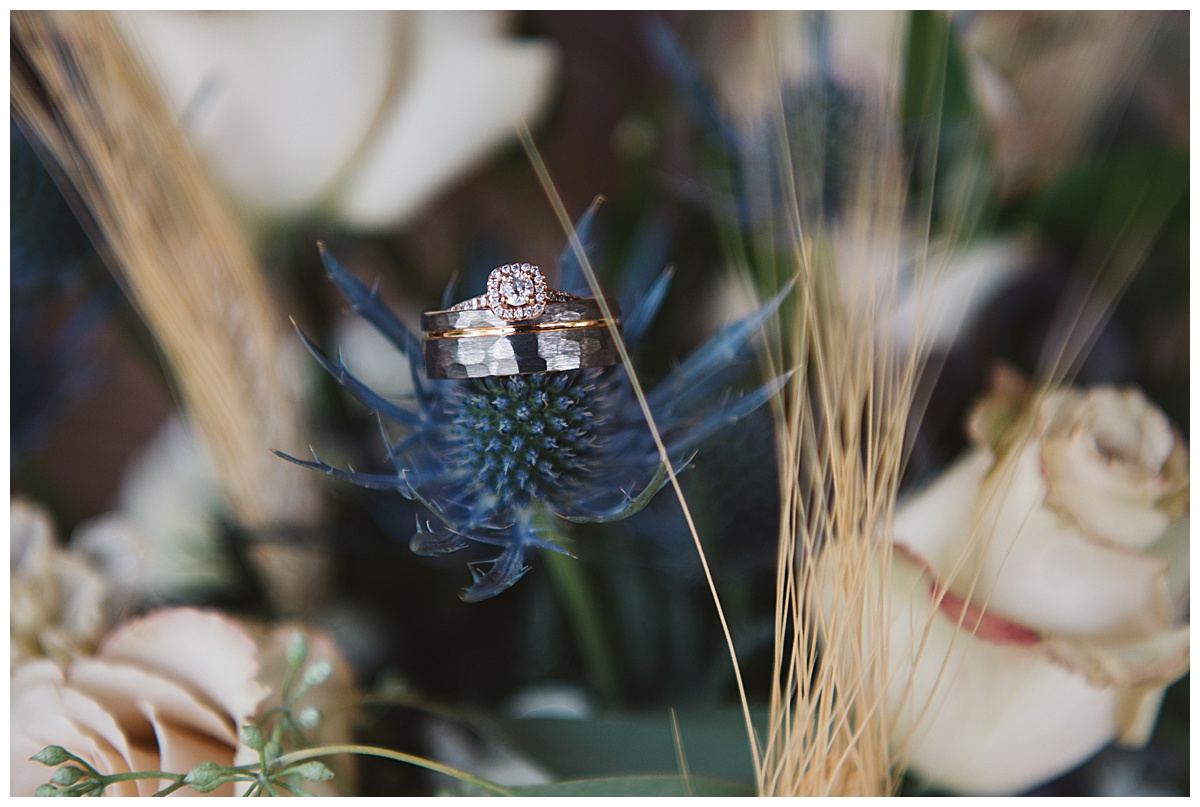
{"type": "Point", "coordinates": [519, 326]}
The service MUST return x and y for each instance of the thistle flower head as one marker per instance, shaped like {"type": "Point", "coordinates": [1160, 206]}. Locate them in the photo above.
{"type": "Point", "coordinates": [523, 439]}
{"type": "Point", "coordinates": [497, 460]}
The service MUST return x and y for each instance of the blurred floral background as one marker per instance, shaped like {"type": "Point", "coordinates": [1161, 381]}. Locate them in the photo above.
{"type": "Point", "coordinates": [162, 556]}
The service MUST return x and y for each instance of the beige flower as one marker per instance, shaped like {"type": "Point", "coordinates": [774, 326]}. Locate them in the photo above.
{"type": "Point", "coordinates": [164, 538]}
{"type": "Point", "coordinates": [1045, 79]}
{"type": "Point", "coordinates": [1040, 589]}
{"type": "Point", "coordinates": [58, 599]}
{"type": "Point", "coordinates": [1023, 640]}
{"type": "Point", "coordinates": [163, 692]}
{"type": "Point", "coordinates": [365, 115]}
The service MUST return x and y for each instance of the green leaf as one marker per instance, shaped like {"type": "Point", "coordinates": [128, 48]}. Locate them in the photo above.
{"type": "Point", "coordinates": [936, 81]}
{"type": "Point", "coordinates": [714, 744]}
{"type": "Point", "coordinates": [252, 737]}
{"type": "Point", "coordinates": [637, 786]}
{"type": "Point", "coordinates": [206, 777]}
{"type": "Point", "coordinates": [52, 755]}
{"type": "Point", "coordinates": [944, 129]}
{"type": "Point", "coordinates": [313, 771]}
{"type": "Point", "coordinates": [1106, 196]}
{"type": "Point", "coordinates": [46, 790]}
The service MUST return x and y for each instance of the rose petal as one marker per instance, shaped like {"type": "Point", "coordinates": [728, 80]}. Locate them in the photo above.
{"type": "Point", "coordinates": [936, 309]}
{"type": "Point", "coordinates": [56, 597]}
{"type": "Point", "coordinates": [932, 523]}
{"type": "Point", "coordinates": [31, 536]}
{"type": "Point", "coordinates": [45, 713]}
{"type": "Point", "coordinates": [277, 103]}
{"type": "Point", "coordinates": [467, 85]}
{"type": "Point", "coordinates": [990, 419]}
{"type": "Point", "coordinates": [971, 715]}
{"type": "Point", "coordinates": [205, 650]}
{"type": "Point", "coordinates": [126, 691]}
{"type": "Point", "coordinates": [1174, 549]}
{"type": "Point", "coordinates": [182, 749]}
{"type": "Point", "coordinates": [1109, 500]}
{"type": "Point", "coordinates": [172, 506]}
{"type": "Point", "coordinates": [1139, 672]}
{"type": "Point", "coordinates": [1024, 562]}
{"type": "Point", "coordinates": [1153, 662]}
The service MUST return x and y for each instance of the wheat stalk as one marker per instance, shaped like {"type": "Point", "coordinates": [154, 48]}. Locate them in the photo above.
{"type": "Point", "coordinates": [169, 238]}
{"type": "Point", "coordinates": [841, 431]}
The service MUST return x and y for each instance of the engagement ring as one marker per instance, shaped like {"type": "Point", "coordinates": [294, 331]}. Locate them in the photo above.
{"type": "Point", "coordinates": [519, 326]}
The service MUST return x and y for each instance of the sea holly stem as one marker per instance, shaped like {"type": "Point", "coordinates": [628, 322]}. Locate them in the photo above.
{"type": "Point", "coordinates": [583, 613]}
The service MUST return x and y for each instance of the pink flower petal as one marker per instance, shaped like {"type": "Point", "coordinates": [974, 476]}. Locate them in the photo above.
{"type": "Point", "coordinates": [181, 748]}
{"type": "Point", "coordinates": [126, 692]}
{"type": "Point", "coordinates": [45, 713]}
{"type": "Point", "coordinates": [205, 650]}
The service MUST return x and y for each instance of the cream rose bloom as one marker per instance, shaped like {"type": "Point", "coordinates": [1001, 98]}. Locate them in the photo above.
{"type": "Point", "coordinates": [363, 115]}
{"type": "Point", "coordinates": [59, 601]}
{"type": "Point", "coordinates": [162, 692]}
{"type": "Point", "coordinates": [1040, 589]}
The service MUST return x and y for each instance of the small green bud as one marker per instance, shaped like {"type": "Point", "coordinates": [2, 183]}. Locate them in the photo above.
{"type": "Point", "coordinates": [313, 771]}
{"type": "Point", "coordinates": [52, 755]}
{"type": "Point", "coordinates": [206, 777]}
{"type": "Point", "coordinates": [46, 790]}
{"type": "Point", "coordinates": [317, 673]}
{"type": "Point", "coordinates": [309, 717]}
{"type": "Point", "coordinates": [297, 650]}
{"type": "Point", "coordinates": [66, 775]}
{"type": "Point", "coordinates": [252, 737]}
{"type": "Point", "coordinates": [272, 750]}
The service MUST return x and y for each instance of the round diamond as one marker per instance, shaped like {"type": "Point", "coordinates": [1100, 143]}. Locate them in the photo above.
{"type": "Point", "coordinates": [516, 292]}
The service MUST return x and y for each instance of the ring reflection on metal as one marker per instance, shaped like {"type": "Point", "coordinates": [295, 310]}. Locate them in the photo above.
{"type": "Point", "coordinates": [476, 343]}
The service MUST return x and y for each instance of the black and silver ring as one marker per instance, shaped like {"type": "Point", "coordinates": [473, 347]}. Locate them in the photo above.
{"type": "Point", "coordinates": [476, 339]}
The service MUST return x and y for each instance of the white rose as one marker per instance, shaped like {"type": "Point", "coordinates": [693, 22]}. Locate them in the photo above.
{"type": "Point", "coordinates": [58, 599]}
{"type": "Point", "coordinates": [363, 114]}
{"type": "Point", "coordinates": [1040, 589]}
{"type": "Point", "coordinates": [163, 692]}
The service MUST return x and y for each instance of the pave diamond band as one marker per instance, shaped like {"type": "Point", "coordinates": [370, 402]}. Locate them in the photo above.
{"type": "Point", "coordinates": [515, 292]}
{"type": "Point", "coordinates": [474, 342]}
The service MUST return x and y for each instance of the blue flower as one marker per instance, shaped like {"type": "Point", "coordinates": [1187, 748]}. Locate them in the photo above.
{"type": "Point", "coordinates": [498, 462]}
{"type": "Point", "coordinates": [825, 120]}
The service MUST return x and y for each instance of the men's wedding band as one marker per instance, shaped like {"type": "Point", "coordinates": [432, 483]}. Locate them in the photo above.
{"type": "Point", "coordinates": [520, 326]}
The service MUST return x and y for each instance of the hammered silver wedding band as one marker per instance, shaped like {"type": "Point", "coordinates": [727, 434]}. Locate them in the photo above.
{"type": "Point", "coordinates": [519, 326]}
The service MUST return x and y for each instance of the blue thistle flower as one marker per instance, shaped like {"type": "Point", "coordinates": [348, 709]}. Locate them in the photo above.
{"type": "Point", "coordinates": [824, 118]}
{"type": "Point", "coordinates": [493, 460]}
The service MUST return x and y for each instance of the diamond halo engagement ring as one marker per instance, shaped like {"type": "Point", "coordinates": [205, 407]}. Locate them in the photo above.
{"type": "Point", "coordinates": [518, 326]}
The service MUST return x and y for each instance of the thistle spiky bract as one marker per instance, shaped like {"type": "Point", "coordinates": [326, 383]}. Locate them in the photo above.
{"type": "Point", "coordinates": [493, 459]}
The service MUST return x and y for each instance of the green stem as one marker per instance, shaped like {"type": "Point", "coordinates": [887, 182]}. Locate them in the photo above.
{"type": "Point", "coordinates": [171, 788]}
{"type": "Point", "coordinates": [372, 751]}
{"type": "Point", "coordinates": [584, 615]}
{"type": "Point", "coordinates": [128, 777]}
